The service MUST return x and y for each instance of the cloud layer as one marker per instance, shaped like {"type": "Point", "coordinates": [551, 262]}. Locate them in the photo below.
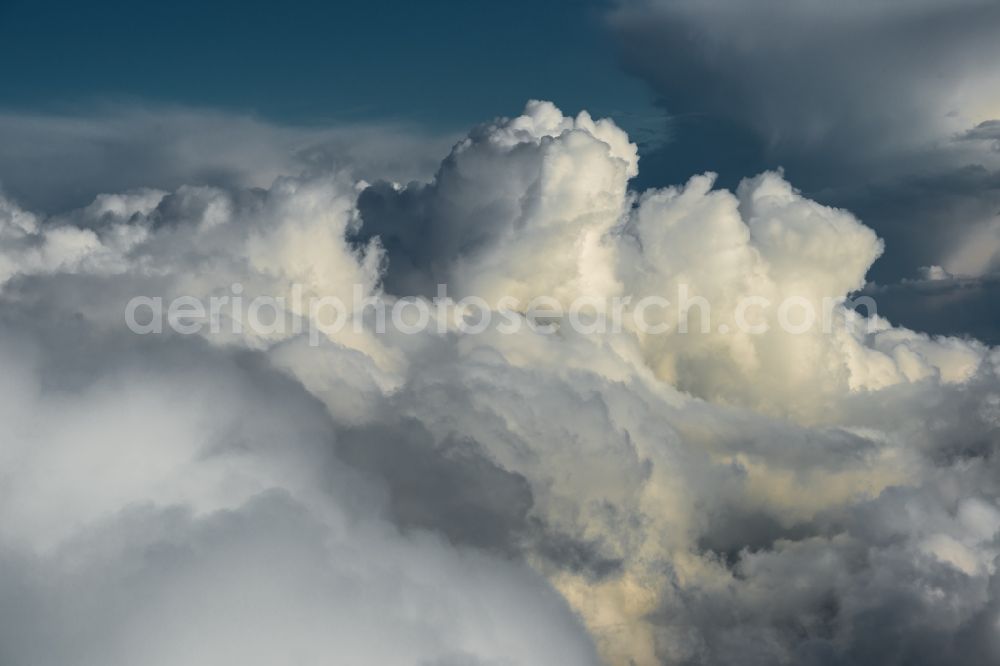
{"type": "Point", "coordinates": [55, 162]}
{"type": "Point", "coordinates": [544, 496]}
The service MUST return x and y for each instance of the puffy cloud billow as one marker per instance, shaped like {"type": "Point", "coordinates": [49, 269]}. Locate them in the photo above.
{"type": "Point", "coordinates": [546, 495]}
{"type": "Point", "coordinates": [885, 107]}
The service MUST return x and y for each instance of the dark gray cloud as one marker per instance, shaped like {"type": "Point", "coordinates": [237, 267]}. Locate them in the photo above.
{"type": "Point", "coordinates": [450, 487]}
{"type": "Point", "coordinates": [988, 130]}
{"type": "Point", "coordinates": [948, 306]}
{"type": "Point", "coordinates": [824, 86]}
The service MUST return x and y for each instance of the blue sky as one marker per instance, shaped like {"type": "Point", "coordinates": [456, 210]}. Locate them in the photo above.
{"type": "Point", "coordinates": [442, 64]}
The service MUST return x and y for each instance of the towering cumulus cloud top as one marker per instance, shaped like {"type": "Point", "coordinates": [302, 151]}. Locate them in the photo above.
{"type": "Point", "coordinates": [712, 482]}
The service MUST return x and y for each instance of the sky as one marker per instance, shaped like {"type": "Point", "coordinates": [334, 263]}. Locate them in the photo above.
{"type": "Point", "coordinates": [317, 62]}
{"type": "Point", "coordinates": [620, 333]}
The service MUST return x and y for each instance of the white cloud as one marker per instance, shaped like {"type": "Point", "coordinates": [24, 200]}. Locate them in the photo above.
{"type": "Point", "coordinates": [712, 497]}
{"type": "Point", "coordinates": [888, 108]}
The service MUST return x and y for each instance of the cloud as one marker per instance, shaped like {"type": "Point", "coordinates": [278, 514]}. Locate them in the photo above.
{"type": "Point", "coordinates": [537, 496]}
{"type": "Point", "coordinates": [887, 109]}
{"type": "Point", "coordinates": [177, 503]}
{"type": "Point", "coordinates": [505, 205]}
{"type": "Point", "coordinates": [941, 302]}
{"type": "Point", "coordinates": [56, 162]}
{"type": "Point", "coordinates": [861, 82]}
{"type": "Point", "coordinates": [988, 130]}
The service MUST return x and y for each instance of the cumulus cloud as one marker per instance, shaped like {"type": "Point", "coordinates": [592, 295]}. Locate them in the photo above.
{"type": "Point", "coordinates": [557, 494]}
{"type": "Point", "coordinates": [888, 109]}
